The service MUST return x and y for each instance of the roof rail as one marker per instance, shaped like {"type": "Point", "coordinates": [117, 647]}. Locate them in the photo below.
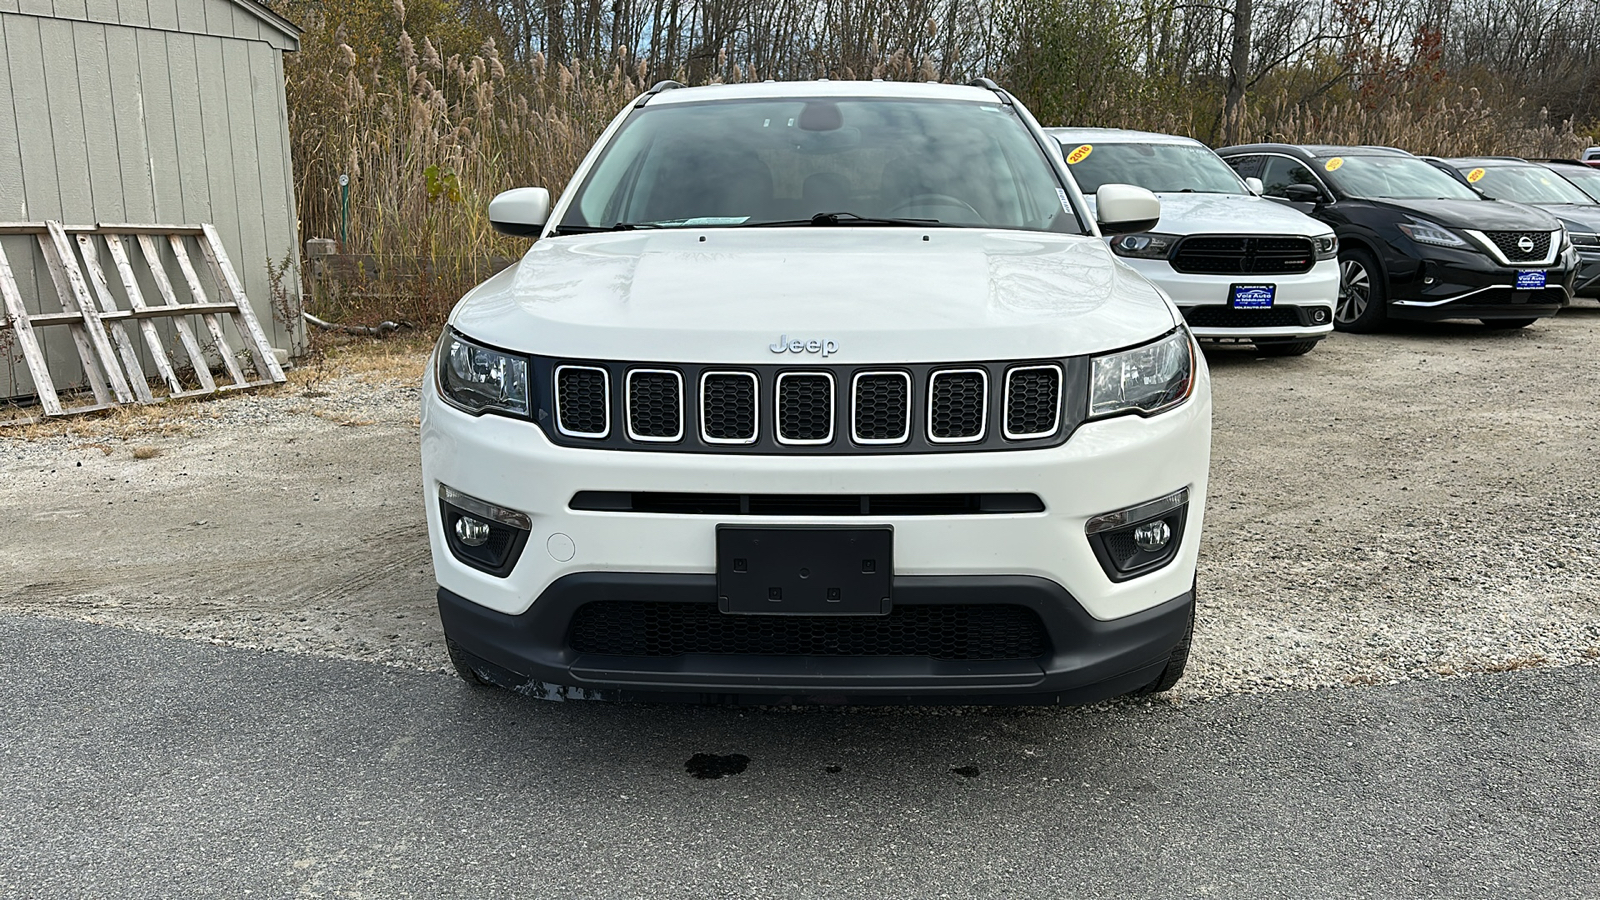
{"type": "Point", "coordinates": [989, 84]}
{"type": "Point", "coordinates": [658, 87]}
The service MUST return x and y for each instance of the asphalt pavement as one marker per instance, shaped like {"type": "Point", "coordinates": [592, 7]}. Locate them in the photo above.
{"type": "Point", "coordinates": [134, 765]}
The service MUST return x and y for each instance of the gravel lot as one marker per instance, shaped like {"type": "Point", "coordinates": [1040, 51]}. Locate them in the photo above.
{"type": "Point", "coordinates": [1418, 504]}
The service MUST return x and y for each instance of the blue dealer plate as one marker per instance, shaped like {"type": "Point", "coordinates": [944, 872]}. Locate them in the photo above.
{"type": "Point", "coordinates": [1530, 281]}
{"type": "Point", "coordinates": [1254, 296]}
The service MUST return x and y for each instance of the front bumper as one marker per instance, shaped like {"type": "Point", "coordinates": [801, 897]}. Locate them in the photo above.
{"type": "Point", "coordinates": [1587, 284]}
{"type": "Point", "coordinates": [1204, 299]}
{"type": "Point", "coordinates": [1106, 465]}
{"type": "Point", "coordinates": [1087, 659]}
{"type": "Point", "coordinates": [1460, 284]}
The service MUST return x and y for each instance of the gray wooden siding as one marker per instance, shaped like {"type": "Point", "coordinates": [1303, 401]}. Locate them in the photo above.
{"type": "Point", "coordinates": [123, 111]}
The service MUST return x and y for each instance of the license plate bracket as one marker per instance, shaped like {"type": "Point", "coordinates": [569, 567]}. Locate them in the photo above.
{"type": "Point", "coordinates": [1531, 280]}
{"type": "Point", "coordinates": [815, 571]}
{"type": "Point", "coordinates": [1252, 296]}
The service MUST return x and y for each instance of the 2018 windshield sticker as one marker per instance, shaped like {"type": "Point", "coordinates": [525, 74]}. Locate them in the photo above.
{"type": "Point", "coordinates": [1333, 165]}
{"type": "Point", "coordinates": [1080, 154]}
{"type": "Point", "coordinates": [1474, 175]}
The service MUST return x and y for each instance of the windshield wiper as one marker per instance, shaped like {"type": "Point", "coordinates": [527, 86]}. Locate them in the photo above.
{"type": "Point", "coordinates": [835, 219]}
{"type": "Point", "coordinates": [597, 229]}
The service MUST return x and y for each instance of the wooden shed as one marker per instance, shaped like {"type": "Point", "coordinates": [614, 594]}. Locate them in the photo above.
{"type": "Point", "coordinates": [150, 111]}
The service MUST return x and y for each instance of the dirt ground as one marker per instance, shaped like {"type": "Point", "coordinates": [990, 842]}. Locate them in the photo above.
{"type": "Point", "coordinates": [1415, 504]}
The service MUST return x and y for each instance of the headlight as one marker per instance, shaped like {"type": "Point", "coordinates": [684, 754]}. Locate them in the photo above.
{"type": "Point", "coordinates": [1327, 246]}
{"type": "Point", "coordinates": [478, 379]}
{"type": "Point", "coordinates": [1144, 246]}
{"type": "Point", "coordinates": [1584, 238]}
{"type": "Point", "coordinates": [1147, 379]}
{"type": "Point", "coordinates": [1424, 232]}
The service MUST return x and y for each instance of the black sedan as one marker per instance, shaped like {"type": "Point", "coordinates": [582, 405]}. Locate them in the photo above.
{"type": "Point", "coordinates": [1536, 184]}
{"type": "Point", "coordinates": [1415, 243]}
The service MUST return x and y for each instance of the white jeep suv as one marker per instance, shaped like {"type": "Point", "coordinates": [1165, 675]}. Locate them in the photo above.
{"type": "Point", "coordinates": [1241, 267]}
{"type": "Point", "coordinates": [818, 392]}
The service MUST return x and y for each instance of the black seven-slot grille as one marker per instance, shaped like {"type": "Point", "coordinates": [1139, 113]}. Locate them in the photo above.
{"type": "Point", "coordinates": [1522, 246]}
{"type": "Point", "coordinates": [1208, 254]}
{"type": "Point", "coordinates": [817, 409]}
{"type": "Point", "coordinates": [955, 631]}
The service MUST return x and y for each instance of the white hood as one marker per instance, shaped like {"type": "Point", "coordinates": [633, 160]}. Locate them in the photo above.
{"type": "Point", "coordinates": [880, 295]}
{"type": "Point", "coordinates": [1185, 213]}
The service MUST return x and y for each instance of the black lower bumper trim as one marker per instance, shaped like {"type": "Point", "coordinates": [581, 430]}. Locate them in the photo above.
{"type": "Point", "coordinates": [1086, 659]}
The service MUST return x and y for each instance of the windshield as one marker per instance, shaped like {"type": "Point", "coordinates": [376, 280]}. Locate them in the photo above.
{"type": "Point", "coordinates": [1154, 167]}
{"type": "Point", "coordinates": [764, 161]}
{"type": "Point", "coordinates": [1392, 178]}
{"type": "Point", "coordinates": [1524, 184]}
{"type": "Point", "coordinates": [1588, 180]}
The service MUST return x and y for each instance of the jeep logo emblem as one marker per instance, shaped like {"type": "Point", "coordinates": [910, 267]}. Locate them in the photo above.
{"type": "Point", "coordinates": [785, 345]}
{"type": "Point", "coordinates": [1525, 244]}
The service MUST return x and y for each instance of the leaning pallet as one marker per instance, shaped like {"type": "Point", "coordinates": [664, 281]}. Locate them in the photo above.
{"type": "Point", "coordinates": [93, 313]}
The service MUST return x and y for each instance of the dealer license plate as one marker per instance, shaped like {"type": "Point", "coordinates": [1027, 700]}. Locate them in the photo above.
{"type": "Point", "coordinates": [804, 571]}
{"type": "Point", "coordinates": [1530, 280]}
{"type": "Point", "coordinates": [1252, 296]}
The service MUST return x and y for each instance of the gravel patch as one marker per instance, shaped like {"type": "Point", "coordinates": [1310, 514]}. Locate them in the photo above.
{"type": "Point", "coordinates": [1417, 504]}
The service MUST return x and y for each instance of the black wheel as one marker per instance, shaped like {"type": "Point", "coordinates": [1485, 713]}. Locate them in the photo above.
{"type": "Point", "coordinates": [463, 666]}
{"type": "Point", "coordinates": [1179, 658]}
{"type": "Point", "coordinates": [1363, 297]}
{"type": "Point", "coordinates": [1286, 348]}
{"type": "Point", "coordinates": [1507, 324]}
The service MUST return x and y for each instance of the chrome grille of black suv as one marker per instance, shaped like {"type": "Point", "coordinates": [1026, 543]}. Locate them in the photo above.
{"type": "Point", "coordinates": [1508, 242]}
{"type": "Point", "coordinates": [582, 401]}
{"type": "Point", "coordinates": [1228, 255]}
{"type": "Point", "coordinates": [958, 405]}
{"type": "Point", "coordinates": [655, 405]}
{"type": "Point", "coordinates": [957, 631]}
{"type": "Point", "coordinates": [805, 407]}
{"type": "Point", "coordinates": [1033, 401]}
{"type": "Point", "coordinates": [882, 413]}
{"type": "Point", "coordinates": [728, 407]}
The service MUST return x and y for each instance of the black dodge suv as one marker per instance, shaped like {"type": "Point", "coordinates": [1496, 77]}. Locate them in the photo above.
{"type": "Point", "coordinates": [1415, 243]}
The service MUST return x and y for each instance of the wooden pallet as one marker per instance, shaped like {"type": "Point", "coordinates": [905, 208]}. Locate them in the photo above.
{"type": "Point", "coordinates": [90, 310]}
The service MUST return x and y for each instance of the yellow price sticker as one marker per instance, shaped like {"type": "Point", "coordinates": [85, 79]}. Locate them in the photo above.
{"type": "Point", "coordinates": [1333, 165]}
{"type": "Point", "coordinates": [1474, 176]}
{"type": "Point", "coordinates": [1080, 154]}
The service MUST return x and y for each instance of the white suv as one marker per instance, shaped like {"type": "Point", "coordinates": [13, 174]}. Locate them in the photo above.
{"type": "Point", "coordinates": [818, 392]}
{"type": "Point", "coordinates": [1241, 267]}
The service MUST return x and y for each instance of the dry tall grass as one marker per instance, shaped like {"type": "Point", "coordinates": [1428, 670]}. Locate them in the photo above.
{"type": "Point", "coordinates": [427, 139]}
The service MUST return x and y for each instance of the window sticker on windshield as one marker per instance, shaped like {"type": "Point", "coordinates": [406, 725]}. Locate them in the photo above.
{"type": "Point", "coordinates": [1474, 175]}
{"type": "Point", "coordinates": [1065, 203]}
{"type": "Point", "coordinates": [700, 221]}
{"type": "Point", "coordinates": [1333, 165]}
{"type": "Point", "coordinates": [1080, 154]}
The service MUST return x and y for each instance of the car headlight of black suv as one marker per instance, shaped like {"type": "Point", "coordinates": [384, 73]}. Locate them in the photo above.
{"type": "Point", "coordinates": [1425, 232]}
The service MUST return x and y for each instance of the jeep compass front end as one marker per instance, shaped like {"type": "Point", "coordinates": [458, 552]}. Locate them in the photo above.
{"type": "Point", "coordinates": [823, 392]}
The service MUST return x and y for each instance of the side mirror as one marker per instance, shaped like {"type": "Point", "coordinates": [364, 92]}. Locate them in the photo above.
{"type": "Point", "coordinates": [1302, 193]}
{"type": "Point", "coordinates": [1255, 185]}
{"type": "Point", "coordinates": [520, 212]}
{"type": "Point", "coordinates": [1125, 209]}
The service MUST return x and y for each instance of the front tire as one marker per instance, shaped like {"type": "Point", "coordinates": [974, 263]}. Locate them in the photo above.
{"type": "Point", "coordinates": [463, 666]}
{"type": "Point", "coordinates": [1363, 304]}
{"type": "Point", "coordinates": [1287, 348]}
{"type": "Point", "coordinates": [1179, 658]}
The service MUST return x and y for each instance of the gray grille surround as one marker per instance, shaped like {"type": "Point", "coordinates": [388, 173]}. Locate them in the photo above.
{"type": "Point", "coordinates": [1055, 415]}
{"type": "Point", "coordinates": [982, 406]}
{"type": "Point", "coordinates": [855, 401]}
{"type": "Point", "coordinates": [627, 396]}
{"type": "Point", "coordinates": [605, 405]}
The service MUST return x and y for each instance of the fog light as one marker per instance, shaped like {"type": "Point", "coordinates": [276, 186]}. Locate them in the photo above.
{"type": "Point", "coordinates": [1151, 536]}
{"type": "Point", "coordinates": [1319, 316]}
{"type": "Point", "coordinates": [475, 533]}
